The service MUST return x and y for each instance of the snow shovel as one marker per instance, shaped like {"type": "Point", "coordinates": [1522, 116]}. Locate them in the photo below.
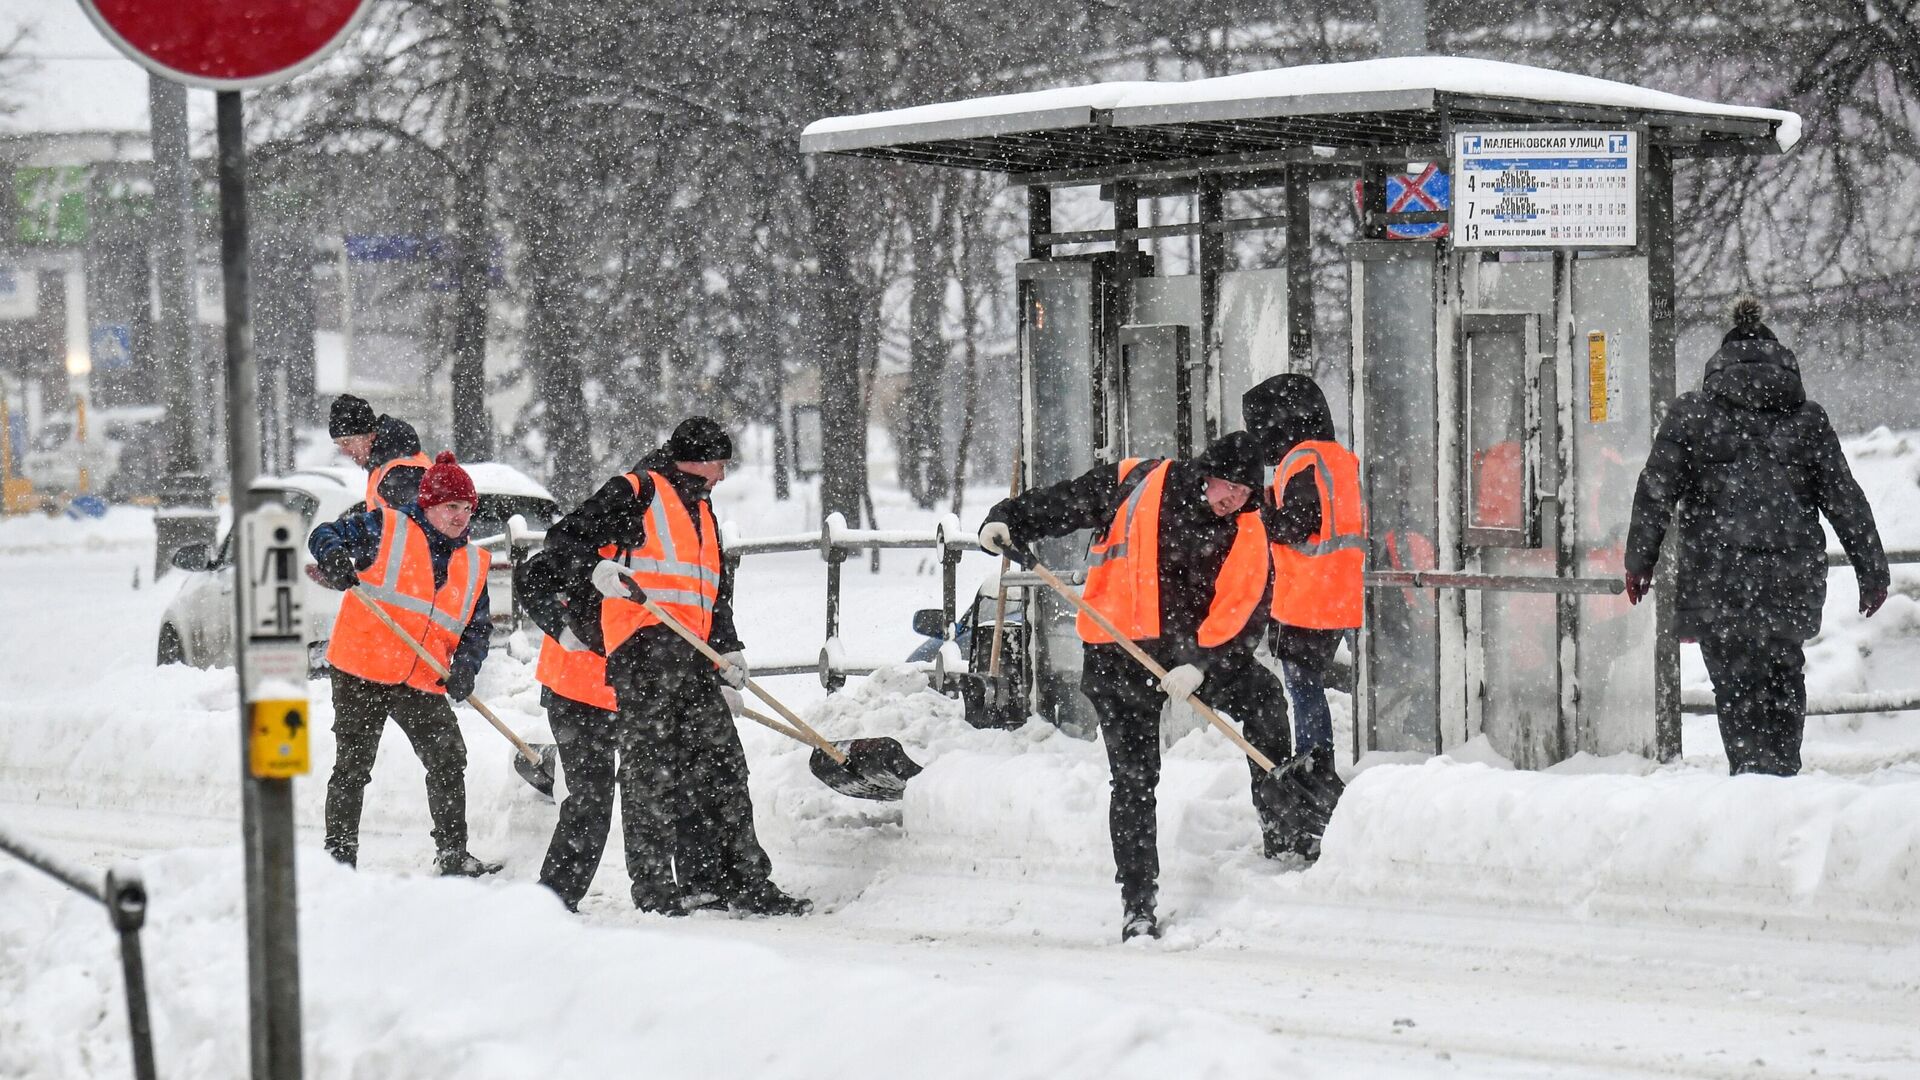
{"type": "Point", "coordinates": [994, 689]}
{"type": "Point", "coordinates": [876, 769]}
{"type": "Point", "coordinates": [534, 766]}
{"type": "Point", "coordinates": [1276, 801]}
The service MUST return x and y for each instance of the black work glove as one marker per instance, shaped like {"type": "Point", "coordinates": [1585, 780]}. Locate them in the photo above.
{"type": "Point", "coordinates": [337, 570]}
{"type": "Point", "coordinates": [1871, 597]}
{"type": "Point", "coordinates": [459, 684]}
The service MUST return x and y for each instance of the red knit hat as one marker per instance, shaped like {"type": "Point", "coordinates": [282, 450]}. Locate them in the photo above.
{"type": "Point", "coordinates": [445, 482]}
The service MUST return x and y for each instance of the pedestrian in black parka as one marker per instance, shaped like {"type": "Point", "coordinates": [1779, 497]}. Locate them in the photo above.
{"type": "Point", "coordinates": [1750, 465]}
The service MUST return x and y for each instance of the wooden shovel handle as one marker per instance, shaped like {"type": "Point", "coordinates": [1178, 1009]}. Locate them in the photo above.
{"type": "Point", "coordinates": [441, 670]}
{"type": "Point", "coordinates": [706, 650]}
{"type": "Point", "coordinates": [1147, 662]}
{"type": "Point", "coordinates": [771, 724]}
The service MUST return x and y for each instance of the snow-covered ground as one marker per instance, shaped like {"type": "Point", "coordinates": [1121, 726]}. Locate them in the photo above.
{"type": "Point", "coordinates": [1604, 918]}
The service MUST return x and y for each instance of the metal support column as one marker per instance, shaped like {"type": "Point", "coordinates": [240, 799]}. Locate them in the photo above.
{"type": "Point", "coordinates": [1662, 331]}
{"type": "Point", "coordinates": [1299, 272]}
{"type": "Point", "coordinates": [1126, 216]}
{"type": "Point", "coordinates": [186, 514]}
{"type": "Point", "coordinates": [1213, 262]}
{"type": "Point", "coordinates": [1373, 201]}
{"type": "Point", "coordinates": [1566, 555]}
{"type": "Point", "coordinates": [273, 947]}
{"type": "Point", "coordinates": [1039, 221]}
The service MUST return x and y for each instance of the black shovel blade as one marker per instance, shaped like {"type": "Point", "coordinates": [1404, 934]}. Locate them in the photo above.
{"type": "Point", "coordinates": [876, 769]}
{"type": "Point", "coordinates": [1295, 802]}
{"type": "Point", "coordinates": [539, 777]}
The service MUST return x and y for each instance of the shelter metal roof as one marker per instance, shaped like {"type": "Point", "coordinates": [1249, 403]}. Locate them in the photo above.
{"type": "Point", "coordinates": [1365, 110]}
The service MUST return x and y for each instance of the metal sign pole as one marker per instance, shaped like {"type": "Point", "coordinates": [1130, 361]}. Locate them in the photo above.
{"type": "Point", "coordinates": [273, 948]}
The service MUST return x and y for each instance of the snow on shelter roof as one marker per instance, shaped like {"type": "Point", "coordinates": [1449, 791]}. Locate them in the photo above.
{"type": "Point", "coordinates": [1118, 127]}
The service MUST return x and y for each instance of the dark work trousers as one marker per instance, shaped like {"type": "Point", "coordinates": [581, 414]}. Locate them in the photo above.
{"type": "Point", "coordinates": [1760, 692]}
{"type": "Point", "coordinates": [360, 712]}
{"type": "Point", "coordinates": [588, 738]}
{"type": "Point", "coordinates": [1127, 698]}
{"type": "Point", "coordinates": [683, 781]}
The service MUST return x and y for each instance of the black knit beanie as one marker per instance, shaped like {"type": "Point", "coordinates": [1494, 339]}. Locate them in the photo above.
{"type": "Point", "coordinates": [350, 416]}
{"type": "Point", "coordinates": [699, 438]}
{"type": "Point", "coordinates": [1236, 458]}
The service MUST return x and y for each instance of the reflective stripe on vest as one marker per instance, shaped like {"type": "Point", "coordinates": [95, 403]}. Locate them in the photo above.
{"type": "Point", "coordinates": [577, 674]}
{"type": "Point", "coordinates": [1114, 544]}
{"type": "Point", "coordinates": [1319, 584]}
{"type": "Point", "coordinates": [677, 566]}
{"type": "Point", "coordinates": [1123, 576]}
{"type": "Point", "coordinates": [379, 475]}
{"type": "Point", "coordinates": [400, 581]}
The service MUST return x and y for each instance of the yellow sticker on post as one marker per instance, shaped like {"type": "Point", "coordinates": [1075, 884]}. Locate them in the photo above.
{"type": "Point", "coordinates": [1603, 382]}
{"type": "Point", "coordinates": [277, 739]}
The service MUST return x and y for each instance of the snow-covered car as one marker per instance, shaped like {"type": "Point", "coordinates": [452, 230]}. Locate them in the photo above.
{"type": "Point", "coordinates": [197, 628]}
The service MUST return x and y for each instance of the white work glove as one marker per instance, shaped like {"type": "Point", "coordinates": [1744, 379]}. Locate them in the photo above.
{"type": "Point", "coordinates": [734, 701]}
{"type": "Point", "coordinates": [736, 672]}
{"type": "Point", "coordinates": [571, 642]}
{"type": "Point", "coordinates": [1181, 682]}
{"type": "Point", "coordinates": [611, 579]}
{"type": "Point", "coordinates": [995, 537]}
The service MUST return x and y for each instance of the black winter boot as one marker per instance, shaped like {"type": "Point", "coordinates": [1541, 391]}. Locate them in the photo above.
{"type": "Point", "coordinates": [767, 899]}
{"type": "Point", "coordinates": [1137, 918]}
{"type": "Point", "coordinates": [456, 862]}
{"type": "Point", "coordinates": [348, 857]}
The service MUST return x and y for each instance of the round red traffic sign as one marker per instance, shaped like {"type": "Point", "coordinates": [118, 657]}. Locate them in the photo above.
{"type": "Point", "coordinates": [226, 44]}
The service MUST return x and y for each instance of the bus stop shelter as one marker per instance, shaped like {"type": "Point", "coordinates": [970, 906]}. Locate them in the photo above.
{"type": "Point", "coordinates": [1511, 353]}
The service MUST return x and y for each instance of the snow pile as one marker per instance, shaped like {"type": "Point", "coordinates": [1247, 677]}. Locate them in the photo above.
{"type": "Point", "coordinates": [428, 978]}
{"type": "Point", "coordinates": [1679, 842]}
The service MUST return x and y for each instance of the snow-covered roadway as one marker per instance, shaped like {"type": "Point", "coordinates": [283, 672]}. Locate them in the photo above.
{"type": "Point", "coordinates": [1467, 920]}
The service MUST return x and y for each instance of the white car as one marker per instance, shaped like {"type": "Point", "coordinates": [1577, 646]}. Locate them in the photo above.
{"type": "Point", "coordinates": [197, 628]}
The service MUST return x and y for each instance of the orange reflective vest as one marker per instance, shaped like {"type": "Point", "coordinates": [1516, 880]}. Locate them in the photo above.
{"type": "Point", "coordinates": [1123, 572]}
{"type": "Point", "coordinates": [379, 473]}
{"type": "Point", "coordinates": [401, 583]}
{"type": "Point", "coordinates": [1318, 584]}
{"type": "Point", "coordinates": [576, 674]}
{"type": "Point", "coordinates": [678, 567]}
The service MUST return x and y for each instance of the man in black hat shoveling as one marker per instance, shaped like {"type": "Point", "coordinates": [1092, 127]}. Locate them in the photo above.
{"type": "Point", "coordinates": [1181, 568]}
{"type": "Point", "coordinates": [388, 448]}
{"type": "Point", "coordinates": [683, 776]}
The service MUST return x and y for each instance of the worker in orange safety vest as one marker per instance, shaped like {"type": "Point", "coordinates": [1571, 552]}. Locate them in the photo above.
{"type": "Point", "coordinates": [685, 808]}
{"type": "Point", "coordinates": [418, 567]}
{"type": "Point", "coordinates": [1180, 565]}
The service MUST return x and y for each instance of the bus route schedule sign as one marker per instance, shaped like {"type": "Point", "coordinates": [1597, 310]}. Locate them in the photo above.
{"type": "Point", "coordinates": [1546, 189]}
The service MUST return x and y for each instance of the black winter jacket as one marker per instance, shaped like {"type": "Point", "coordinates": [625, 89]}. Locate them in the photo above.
{"type": "Point", "coordinates": [615, 514]}
{"type": "Point", "coordinates": [1751, 465]}
{"type": "Point", "coordinates": [1194, 542]}
{"type": "Point", "coordinates": [396, 439]}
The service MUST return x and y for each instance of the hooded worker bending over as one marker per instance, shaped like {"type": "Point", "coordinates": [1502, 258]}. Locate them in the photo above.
{"type": "Point", "coordinates": [682, 774]}
{"type": "Point", "coordinates": [415, 565]}
{"type": "Point", "coordinates": [1181, 567]}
